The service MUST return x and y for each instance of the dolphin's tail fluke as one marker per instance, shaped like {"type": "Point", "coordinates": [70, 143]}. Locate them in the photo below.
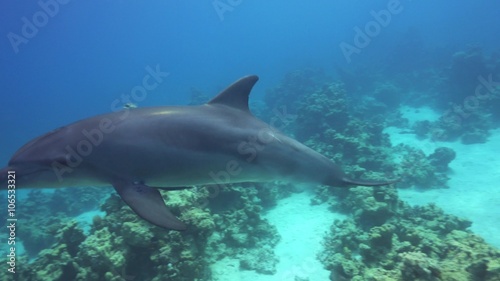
{"type": "Point", "coordinates": [351, 182]}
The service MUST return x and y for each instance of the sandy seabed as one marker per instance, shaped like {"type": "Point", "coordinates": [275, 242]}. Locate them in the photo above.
{"type": "Point", "coordinates": [302, 227]}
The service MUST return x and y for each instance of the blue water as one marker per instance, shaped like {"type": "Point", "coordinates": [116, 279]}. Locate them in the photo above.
{"type": "Point", "coordinates": [90, 52]}
{"type": "Point", "coordinates": [87, 54]}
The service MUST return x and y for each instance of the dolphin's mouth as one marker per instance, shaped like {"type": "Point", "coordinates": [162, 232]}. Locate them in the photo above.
{"type": "Point", "coordinates": [29, 172]}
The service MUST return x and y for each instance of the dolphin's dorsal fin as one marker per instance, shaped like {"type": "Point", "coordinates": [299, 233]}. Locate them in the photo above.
{"type": "Point", "coordinates": [236, 95]}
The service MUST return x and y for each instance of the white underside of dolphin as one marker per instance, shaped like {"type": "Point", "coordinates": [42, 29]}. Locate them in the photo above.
{"type": "Point", "coordinates": [140, 150]}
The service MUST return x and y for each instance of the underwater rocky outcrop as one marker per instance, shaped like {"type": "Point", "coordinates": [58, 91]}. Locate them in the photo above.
{"type": "Point", "coordinates": [389, 94]}
{"type": "Point", "coordinates": [468, 96]}
{"type": "Point", "coordinates": [240, 230]}
{"type": "Point", "coordinates": [223, 222]}
{"type": "Point", "coordinates": [462, 86]}
{"type": "Point", "coordinates": [42, 213]}
{"type": "Point", "coordinates": [352, 135]}
{"type": "Point", "coordinates": [122, 247]}
{"type": "Point", "coordinates": [321, 109]}
{"type": "Point", "coordinates": [466, 69]}
{"type": "Point", "coordinates": [287, 95]}
{"type": "Point", "coordinates": [386, 239]}
{"type": "Point", "coordinates": [325, 124]}
{"type": "Point", "coordinates": [424, 171]}
{"type": "Point", "coordinates": [383, 238]}
{"type": "Point", "coordinates": [469, 128]}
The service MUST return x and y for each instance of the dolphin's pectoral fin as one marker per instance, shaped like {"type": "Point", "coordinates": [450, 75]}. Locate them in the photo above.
{"type": "Point", "coordinates": [148, 204]}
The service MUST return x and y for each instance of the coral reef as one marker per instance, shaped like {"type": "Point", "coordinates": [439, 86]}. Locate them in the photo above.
{"type": "Point", "coordinates": [470, 128]}
{"type": "Point", "coordinates": [329, 122]}
{"type": "Point", "coordinates": [360, 145]}
{"type": "Point", "coordinates": [389, 94]}
{"type": "Point", "coordinates": [120, 246]}
{"type": "Point", "coordinates": [325, 108]}
{"type": "Point", "coordinates": [384, 239]}
{"type": "Point", "coordinates": [52, 210]}
{"type": "Point", "coordinates": [468, 96]}
{"type": "Point", "coordinates": [418, 266]}
{"type": "Point", "coordinates": [289, 92]}
{"type": "Point", "coordinates": [262, 260]}
{"type": "Point", "coordinates": [424, 172]}
{"type": "Point", "coordinates": [464, 71]}
{"type": "Point", "coordinates": [461, 85]}
{"type": "Point", "coordinates": [406, 243]}
{"type": "Point", "coordinates": [240, 230]}
{"type": "Point", "coordinates": [74, 201]}
{"type": "Point", "coordinates": [441, 157]}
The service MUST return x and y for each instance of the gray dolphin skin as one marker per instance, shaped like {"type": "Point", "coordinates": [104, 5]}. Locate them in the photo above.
{"type": "Point", "coordinates": [141, 150]}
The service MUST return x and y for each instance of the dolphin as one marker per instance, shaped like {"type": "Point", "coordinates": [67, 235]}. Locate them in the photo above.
{"type": "Point", "coordinates": [141, 150]}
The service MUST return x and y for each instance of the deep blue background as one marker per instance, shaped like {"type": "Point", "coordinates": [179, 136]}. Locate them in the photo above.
{"type": "Point", "coordinates": [91, 52]}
